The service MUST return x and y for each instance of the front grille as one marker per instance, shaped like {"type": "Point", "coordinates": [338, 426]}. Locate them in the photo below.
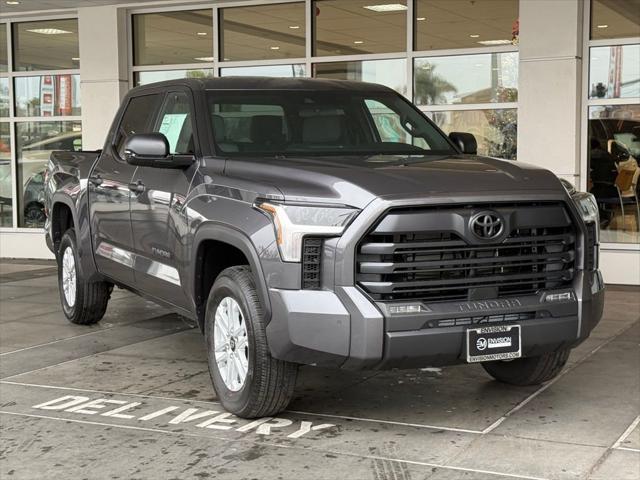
{"type": "Point", "coordinates": [394, 263]}
{"type": "Point", "coordinates": [311, 258]}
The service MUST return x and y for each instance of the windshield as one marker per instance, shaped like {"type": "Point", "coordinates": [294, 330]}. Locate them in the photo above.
{"type": "Point", "coordinates": [274, 123]}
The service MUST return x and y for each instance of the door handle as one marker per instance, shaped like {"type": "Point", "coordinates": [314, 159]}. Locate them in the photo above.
{"type": "Point", "coordinates": [96, 180]}
{"type": "Point", "coordinates": [137, 187]}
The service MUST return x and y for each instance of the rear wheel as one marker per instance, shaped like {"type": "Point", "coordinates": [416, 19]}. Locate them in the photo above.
{"type": "Point", "coordinates": [83, 302]}
{"type": "Point", "coordinates": [248, 380]}
{"type": "Point", "coordinates": [528, 370]}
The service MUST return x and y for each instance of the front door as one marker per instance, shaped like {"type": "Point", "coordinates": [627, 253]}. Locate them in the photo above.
{"type": "Point", "coordinates": [157, 219]}
{"type": "Point", "coordinates": [110, 194]}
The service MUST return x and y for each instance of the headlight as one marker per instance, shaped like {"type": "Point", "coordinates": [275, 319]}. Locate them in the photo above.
{"type": "Point", "coordinates": [293, 222]}
{"type": "Point", "coordinates": [587, 206]}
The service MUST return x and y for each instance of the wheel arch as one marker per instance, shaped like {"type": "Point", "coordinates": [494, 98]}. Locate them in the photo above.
{"type": "Point", "coordinates": [233, 243]}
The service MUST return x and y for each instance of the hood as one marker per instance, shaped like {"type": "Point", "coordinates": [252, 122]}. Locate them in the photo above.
{"type": "Point", "coordinates": [356, 181]}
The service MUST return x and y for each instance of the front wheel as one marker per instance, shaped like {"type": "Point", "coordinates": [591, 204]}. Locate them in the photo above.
{"type": "Point", "coordinates": [249, 382]}
{"type": "Point", "coordinates": [528, 370]}
{"type": "Point", "coordinates": [83, 303]}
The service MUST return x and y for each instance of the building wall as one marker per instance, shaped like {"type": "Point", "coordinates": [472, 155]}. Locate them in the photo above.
{"type": "Point", "coordinates": [551, 65]}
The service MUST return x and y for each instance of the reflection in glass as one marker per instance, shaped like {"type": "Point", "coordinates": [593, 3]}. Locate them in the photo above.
{"type": "Point", "coordinates": [169, 38]}
{"type": "Point", "coordinates": [485, 78]}
{"type": "Point", "coordinates": [4, 97]}
{"type": "Point", "coordinates": [143, 78]}
{"type": "Point", "coordinates": [4, 54]}
{"type": "Point", "coordinates": [47, 96]}
{"type": "Point", "coordinates": [263, 32]}
{"type": "Point", "coordinates": [614, 150]}
{"type": "Point", "coordinates": [615, 19]}
{"type": "Point", "coordinates": [290, 71]}
{"type": "Point", "coordinates": [445, 24]}
{"type": "Point", "coordinates": [496, 131]}
{"type": "Point", "coordinates": [46, 45]}
{"type": "Point", "coordinates": [6, 203]}
{"type": "Point", "coordinates": [614, 72]}
{"type": "Point", "coordinates": [34, 143]}
{"type": "Point", "coordinates": [391, 73]}
{"type": "Point", "coordinates": [355, 27]}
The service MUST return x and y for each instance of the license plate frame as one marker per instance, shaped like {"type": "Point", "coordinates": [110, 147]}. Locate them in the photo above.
{"type": "Point", "coordinates": [495, 345]}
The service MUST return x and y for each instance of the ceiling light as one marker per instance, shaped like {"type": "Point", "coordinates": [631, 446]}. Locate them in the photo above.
{"type": "Point", "coordinates": [202, 34]}
{"type": "Point", "coordinates": [474, 35]}
{"type": "Point", "coordinates": [274, 48]}
{"type": "Point", "coordinates": [603, 26]}
{"type": "Point", "coordinates": [495, 42]}
{"type": "Point", "coordinates": [358, 42]}
{"type": "Point", "coordinates": [387, 7]}
{"type": "Point", "coordinates": [204, 59]}
{"type": "Point", "coordinates": [421, 19]}
{"type": "Point", "coordinates": [48, 31]}
{"type": "Point", "coordinates": [12, 3]}
{"type": "Point", "coordinates": [294, 27]}
{"type": "Point", "coordinates": [75, 59]}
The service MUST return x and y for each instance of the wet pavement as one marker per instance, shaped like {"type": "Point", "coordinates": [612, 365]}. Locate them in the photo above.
{"type": "Point", "coordinates": [131, 398]}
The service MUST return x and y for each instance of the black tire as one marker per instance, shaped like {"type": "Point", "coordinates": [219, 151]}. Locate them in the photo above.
{"type": "Point", "coordinates": [269, 384]}
{"type": "Point", "coordinates": [528, 370]}
{"type": "Point", "coordinates": [91, 298]}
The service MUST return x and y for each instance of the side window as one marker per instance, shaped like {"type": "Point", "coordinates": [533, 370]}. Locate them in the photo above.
{"type": "Point", "coordinates": [137, 118]}
{"type": "Point", "coordinates": [390, 126]}
{"type": "Point", "coordinates": [175, 122]}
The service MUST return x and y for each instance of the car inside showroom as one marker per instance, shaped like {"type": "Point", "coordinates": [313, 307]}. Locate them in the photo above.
{"type": "Point", "coordinates": [277, 239]}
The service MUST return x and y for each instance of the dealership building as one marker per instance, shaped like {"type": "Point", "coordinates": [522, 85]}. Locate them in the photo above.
{"type": "Point", "coordinates": [547, 82]}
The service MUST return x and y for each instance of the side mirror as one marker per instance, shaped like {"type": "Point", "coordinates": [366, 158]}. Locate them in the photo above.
{"type": "Point", "coordinates": [152, 150]}
{"type": "Point", "coordinates": [466, 142]}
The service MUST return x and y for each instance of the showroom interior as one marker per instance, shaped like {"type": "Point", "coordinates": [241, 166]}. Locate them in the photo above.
{"type": "Point", "coordinates": [527, 97]}
{"type": "Point", "coordinates": [553, 83]}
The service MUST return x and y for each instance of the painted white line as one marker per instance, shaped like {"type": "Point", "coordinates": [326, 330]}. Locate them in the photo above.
{"type": "Point", "coordinates": [298, 412]}
{"type": "Point", "coordinates": [629, 449]}
{"type": "Point", "coordinates": [279, 445]}
{"type": "Point", "coordinates": [626, 433]}
{"type": "Point", "coordinates": [390, 422]}
{"type": "Point", "coordinates": [566, 370]}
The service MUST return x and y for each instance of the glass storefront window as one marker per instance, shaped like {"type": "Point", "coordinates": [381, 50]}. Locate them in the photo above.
{"type": "Point", "coordinates": [46, 45]}
{"type": "Point", "coordinates": [614, 150]}
{"type": "Point", "coordinates": [6, 202]}
{"type": "Point", "coordinates": [4, 97]}
{"type": "Point", "coordinates": [446, 24]}
{"type": "Point", "coordinates": [263, 32]}
{"type": "Point", "coordinates": [356, 27]}
{"type": "Point", "coordinates": [143, 78]}
{"type": "Point", "coordinates": [615, 19]}
{"type": "Point", "coordinates": [391, 73]}
{"type": "Point", "coordinates": [484, 78]}
{"type": "Point", "coordinates": [614, 72]}
{"type": "Point", "coordinates": [291, 71]}
{"type": "Point", "coordinates": [170, 38]}
{"type": "Point", "coordinates": [34, 143]}
{"type": "Point", "coordinates": [47, 96]}
{"type": "Point", "coordinates": [496, 131]}
{"type": "Point", "coordinates": [4, 53]}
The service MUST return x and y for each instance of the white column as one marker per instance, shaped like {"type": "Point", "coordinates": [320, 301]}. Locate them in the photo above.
{"type": "Point", "coordinates": [549, 85]}
{"type": "Point", "coordinates": [103, 69]}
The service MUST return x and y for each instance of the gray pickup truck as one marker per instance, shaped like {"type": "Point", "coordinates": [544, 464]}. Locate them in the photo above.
{"type": "Point", "coordinates": [329, 223]}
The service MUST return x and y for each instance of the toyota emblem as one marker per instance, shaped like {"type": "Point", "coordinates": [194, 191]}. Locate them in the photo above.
{"type": "Point", "coordinates": [487, 225]}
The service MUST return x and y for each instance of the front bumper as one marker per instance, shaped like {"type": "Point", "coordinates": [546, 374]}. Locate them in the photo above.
{"type": "Point", "coordinates": [346, 329]}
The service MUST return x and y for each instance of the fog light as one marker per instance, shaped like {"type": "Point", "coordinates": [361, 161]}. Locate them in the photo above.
{"type": "Point", "coordinates": [558, 297]}
{"type": "Point", "coordinates": [405, 309]}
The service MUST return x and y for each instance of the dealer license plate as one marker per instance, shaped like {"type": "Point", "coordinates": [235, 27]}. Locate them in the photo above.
{"type": "Point", "coordinates": [500, 342]}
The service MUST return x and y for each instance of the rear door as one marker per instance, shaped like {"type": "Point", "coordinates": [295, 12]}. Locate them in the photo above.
{"type": "Point", "coordinates": [157, 217]}
{"type": "Point", "coordinates": [109, 193]}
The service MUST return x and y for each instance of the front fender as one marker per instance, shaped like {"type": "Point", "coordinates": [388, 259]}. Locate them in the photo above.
{"type": "Point", "coordinates": [220, 232]}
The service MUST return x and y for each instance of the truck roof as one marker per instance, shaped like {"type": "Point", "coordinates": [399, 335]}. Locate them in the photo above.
{"type": "Point", "coordinates": [270, 83]}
